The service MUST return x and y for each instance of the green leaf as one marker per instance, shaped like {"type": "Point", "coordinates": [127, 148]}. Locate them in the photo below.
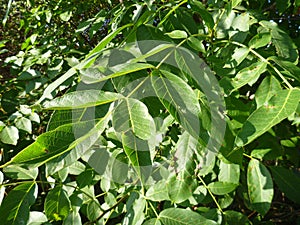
{"type": "Point", "coordinates": [93, 210]}
{"type": "Point", "coordinates": [36, 218]}
{"type": "Point", "coordinates": [135, 210]}
{"type": "Point", "coordinates": [65, 16]}
{"type": "Point", "coordinates": [204, 13]}
{"type": "Point", "coordinates": [132, 114]}
{"type": "Point", "coordinates": [285, 47]}
{"type": "Point", "coordinates": [235, 3]}
{"type": "Point", "coordinates": [21, 172]}
{"type": "Point", "coordinates": [89, 57]}
{"type": "Point", "coordinates": [55, 143]}
{"type": "Point", "coordinates": [176, 216]}
{"type": "Point", "coordinates": [149, 32]}
{"type": "Point", "coordinates": [2, 125]}
{"type": "Point", "coordinates": [57, 204]}
{"type": "Point", "coordinates": [182, 185]}
{"type": "Point", "coordinates": [152, 221]}
{"type": "Point", "coordinates": [14, 209]}
{"type": "Point", "coordinates": [237, 57]}
{"type": "Point", "coordinates": [287, 181]}
{"type": "Point", "coordinates": [248, 75]}
{"type": "Point", "coordinates": [221, 188]}
{"type": "Point", "coordinates": [196, 44]}
{"type": "Point", "coordinates": [241, 22]}
{"type": "Point", "coordinates": [23, 123]}
{"type": "Point", "coordinates": [260, 186]}
{"type": "Point", "coordinates": [138, 152]}
{"type": "Point", "coordinates": [54, 85]}
{"type": "Point", "coordinates": [81, 99]}
{"type": "Point", "coordinates": [105, 41]}
{"type": "Point", "coordinates": [119, 168]}
{"type": "Point", "coordinates": [229, 173]}
{"type": "Point", "coordinates": [9, 135]}
{"type": "Point", "coordinates": [269, 87]}
{"type": "Point", "coordinates": [282, 5]}
{"type": "Point", "coordinates": [179, 99]}
{"type": "Point", "coordinates": [158, 191]}
{"type": "Point", "coordinates": [186, 147]}
{"type": "Point", "coordinates": [85, 178]}
{"type": "Point", "coordinates": [235, 218]}
{"type": "Point", "coordinates": [279, 107]}
{"type": "Point", "coordinates": [93, 75]}
{"type": "Point", "coordinates": [260, 40]}
{"type": "Point", "coordinates": [290, 68]}
{"type": "Point", "coordinates": [59, 162]}
{"type": "Point", "coordinates": [73, 218]}
{"type": "Point", "coordinates": [177, 34]}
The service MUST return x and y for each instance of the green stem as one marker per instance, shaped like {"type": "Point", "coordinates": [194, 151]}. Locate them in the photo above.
{"type": "Point", "coordinates": [211, 194]}
{"type": "Point", "coordinates": [107, 210]}
{"type": "Point", "coordinates": [153, 209]}
{"type": "Point", "coordinates": [170, 12]}
{"type": "Point", "coordinates": [262, 59]}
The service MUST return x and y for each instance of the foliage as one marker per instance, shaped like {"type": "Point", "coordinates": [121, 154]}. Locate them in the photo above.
{"type": "Point", "coordinates": [149, 112]}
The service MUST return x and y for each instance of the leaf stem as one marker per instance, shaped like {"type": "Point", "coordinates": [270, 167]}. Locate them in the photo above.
{"type": "Point", "coordinates": [262, 59]}
{"type": "Point", "coordinates": [107, 210]}
{"type": "Point", "coordinates": [211, 194]}
{"type": "Point", "coordinates": [170, 12]}
{"type": "Point", "coordinates": [153, 209]}
{"type": "Point", "coordinates": [248, 156]}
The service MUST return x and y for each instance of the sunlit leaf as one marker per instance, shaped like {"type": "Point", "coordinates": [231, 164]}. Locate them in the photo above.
{"type": "Point", "coordinates": [132, 114]}
{"type": "Point", "coordinates": [269, 87]}
{"type": "Point", "coordinates": [260, 186]}
{"type": "Point", "coordinates": [176, 216]}
{"type": "Point", "coordinates": [221, 188]}
{"type": "Point", "coordinates": [81, 99]}
{"type": "Point", "coordinates": [9, 135]}
{"type": "Point", "coordinates": [279, 107]}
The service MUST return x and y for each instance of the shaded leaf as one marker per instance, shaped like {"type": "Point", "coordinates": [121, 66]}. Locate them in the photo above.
{"type": "Point", "coordinates": [284, 45]}
{"type": "Point", "coordinates": [287, 181]}
{"type": "Point", "coordinates": [138, 152]}
{"type": "Point", "coordinates": [15, 207]}
{"type": "Point", "coordinates": [179, 99]}
{"type": "Point", "coordinates": [135, 210]}
{"type": "Point", "coordinates": [21, 172]}
{"type": "Point", "coordinates": [235, 218]}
